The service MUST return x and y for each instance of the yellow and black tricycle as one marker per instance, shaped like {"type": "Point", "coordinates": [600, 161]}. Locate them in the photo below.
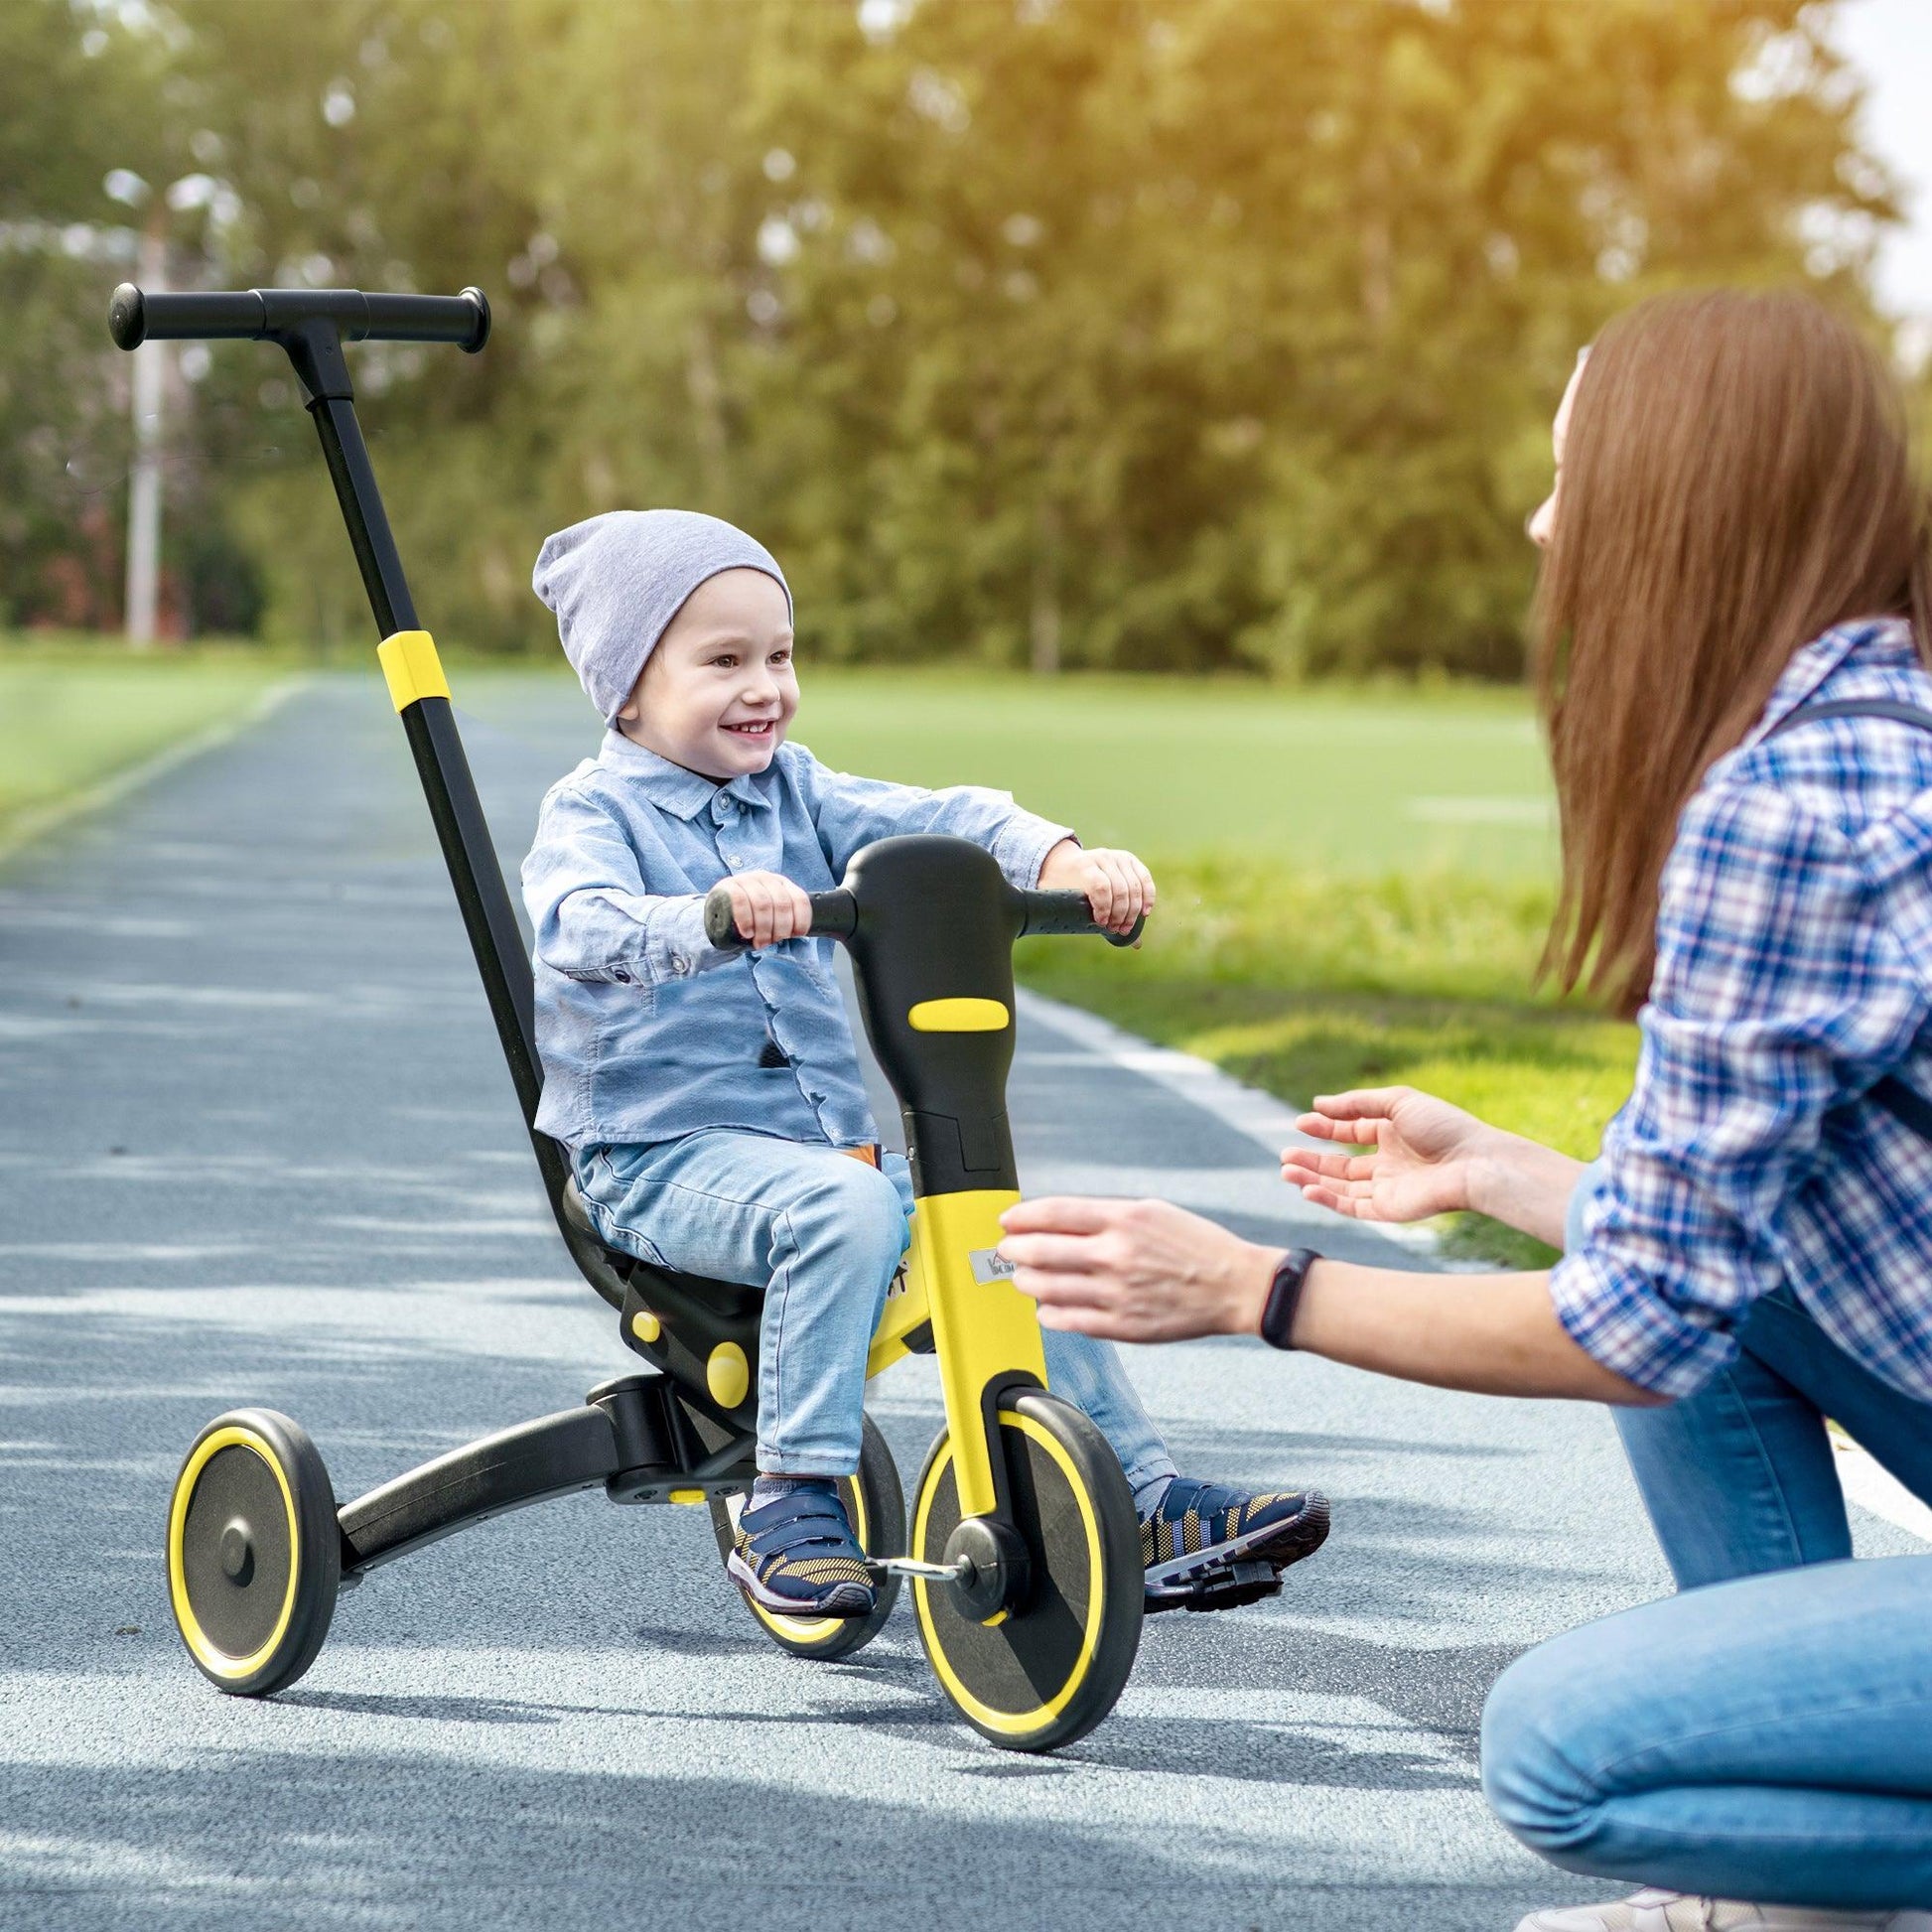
{"type": "Point", "coordinates": [1024, 1548]}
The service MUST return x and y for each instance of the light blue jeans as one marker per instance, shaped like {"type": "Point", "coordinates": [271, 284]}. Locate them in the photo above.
{"type": "Point", "coordinates": [823, 1234]}
{"type": "Point", "coordinates": [1767, 1734]}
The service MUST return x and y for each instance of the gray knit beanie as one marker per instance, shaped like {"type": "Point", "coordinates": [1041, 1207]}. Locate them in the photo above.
{"type": "Point", "coordinates": [616, 581]}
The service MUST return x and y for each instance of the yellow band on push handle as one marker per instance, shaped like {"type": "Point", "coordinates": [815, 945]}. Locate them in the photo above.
{"type": "Point", "coordinates": [412, 668]}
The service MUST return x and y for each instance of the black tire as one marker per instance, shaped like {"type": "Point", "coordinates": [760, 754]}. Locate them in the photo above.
{"type": "Point", "coordinates": [254, 1552]}
{"type": "Point", "coordinates": [877, 1506]}
{"type": "Point", "coordinates": [1052, 1669]}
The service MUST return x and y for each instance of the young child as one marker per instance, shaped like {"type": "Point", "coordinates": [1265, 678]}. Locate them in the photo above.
{"type": "Point", "coordinates": [712, 1102]}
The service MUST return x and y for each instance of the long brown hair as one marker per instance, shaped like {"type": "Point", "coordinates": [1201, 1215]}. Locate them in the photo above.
{"type": "Point", "coordinates": [1735, 480]}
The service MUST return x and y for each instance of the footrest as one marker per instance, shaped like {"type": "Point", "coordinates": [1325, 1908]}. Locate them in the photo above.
{"type": "Point", "coordinates": [1224, 1589]}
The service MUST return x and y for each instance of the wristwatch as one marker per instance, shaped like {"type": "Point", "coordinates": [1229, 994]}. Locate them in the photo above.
{"type": "Point", "coordinates": [1284, 1296]}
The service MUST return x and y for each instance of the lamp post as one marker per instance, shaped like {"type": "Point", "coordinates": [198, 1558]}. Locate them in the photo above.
{"type": "Point", "coordinates": [150, 394]}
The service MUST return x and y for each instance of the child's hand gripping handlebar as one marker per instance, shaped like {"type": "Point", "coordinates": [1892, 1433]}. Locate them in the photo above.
{"type": "Point", "coordinates": [1069, 914]}
{"type": "Point", "coordinates": [835, 915]}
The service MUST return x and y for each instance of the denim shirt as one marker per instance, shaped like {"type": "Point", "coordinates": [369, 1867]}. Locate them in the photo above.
{"type": "Point", "coordinates": [646, 1032]}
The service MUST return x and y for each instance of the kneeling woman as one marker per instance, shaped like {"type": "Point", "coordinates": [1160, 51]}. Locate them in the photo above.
{"type": "Point", "coordinates": [1734, 629]}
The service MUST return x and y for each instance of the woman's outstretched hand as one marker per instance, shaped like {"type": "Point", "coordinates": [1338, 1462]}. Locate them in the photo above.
{"type": "Point", "coordinates": [1134, 1270]}
{"type": "Point", "coordinates": [1421, 1161]}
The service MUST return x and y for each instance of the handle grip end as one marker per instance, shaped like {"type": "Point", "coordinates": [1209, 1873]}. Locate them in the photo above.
{"type": "Point", "coordinates": [721, 921]}
{"type": "Point", "coordinates": [479, 301]}
{"type": "Point", "coordinates": [127, 317]}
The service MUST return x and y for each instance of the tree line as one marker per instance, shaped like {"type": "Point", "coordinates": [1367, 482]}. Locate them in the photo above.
{"type": "Point", "coordinates": [1165, 335]}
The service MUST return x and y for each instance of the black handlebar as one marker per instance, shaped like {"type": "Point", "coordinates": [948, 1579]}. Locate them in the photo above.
{"type": "Point", "coordinates": [835, 915]}
{"type": "Point", "coordinates": [274, 314]}
{"type": "Point", "coordinates": [1068, 915]}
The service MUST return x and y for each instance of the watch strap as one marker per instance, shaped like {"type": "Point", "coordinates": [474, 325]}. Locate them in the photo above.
{"type": "Point", "coordinates": [1284, 1296]}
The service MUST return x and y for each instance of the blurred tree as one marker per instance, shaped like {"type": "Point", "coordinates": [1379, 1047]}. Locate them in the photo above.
{"type": "Point", "coordinates": [67, 88]}
{"type": "Point", "coordinates": [1162, 334]}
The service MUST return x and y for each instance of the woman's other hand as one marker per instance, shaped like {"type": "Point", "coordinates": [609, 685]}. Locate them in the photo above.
{"type": "Point", "coordinates": [1428, 1157]}
{"type": "Point", "coordinates": [1421, 1161]}
{"type": "Point", "coordinates": [1136, 1270]}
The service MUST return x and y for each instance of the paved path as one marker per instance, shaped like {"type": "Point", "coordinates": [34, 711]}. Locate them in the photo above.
{"type": "Point", "coordinates": [256, 1145]}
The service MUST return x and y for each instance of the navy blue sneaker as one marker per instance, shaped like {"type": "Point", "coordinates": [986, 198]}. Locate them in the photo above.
{"type": "Point", "coordinates": [795, 1555]}
{"type": "Point", "coordinates": [1203, 1532]}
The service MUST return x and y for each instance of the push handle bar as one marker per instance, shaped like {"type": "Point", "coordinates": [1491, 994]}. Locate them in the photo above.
{"type": "Point", "coordinates": [1068, 914]}
{"type": "Point", "coordinates": [136, 316]}
{"type": "Point", "coordinates": [835, 915]}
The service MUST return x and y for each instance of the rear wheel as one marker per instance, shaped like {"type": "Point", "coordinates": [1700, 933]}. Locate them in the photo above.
{"type": "Point", "coordinates": [875, 1505]}
{"type": "Point", "coordinates": [254, 1552]}
{"type": "Point", "coordinates": [1046, 1671]}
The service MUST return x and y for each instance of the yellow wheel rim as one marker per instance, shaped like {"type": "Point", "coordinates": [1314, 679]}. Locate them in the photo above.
{"type": "Point", "coordinates": [815, 1629]}
{"type": "Point", "coordinates": [215, 1661]}
{"type": "Point", "coordinates": [1014, 1723]}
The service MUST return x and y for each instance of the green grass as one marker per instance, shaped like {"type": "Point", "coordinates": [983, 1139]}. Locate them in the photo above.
{"type": "Point", "coordinates": [74, 715]}
{"type": "Point", "coordinates": [1362, 781]}
{"type": "Point", "coordinates": [1303, 984]}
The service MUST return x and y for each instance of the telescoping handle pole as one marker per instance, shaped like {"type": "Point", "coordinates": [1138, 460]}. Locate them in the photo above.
{"type": "Point", "coordinates": [310, 325]}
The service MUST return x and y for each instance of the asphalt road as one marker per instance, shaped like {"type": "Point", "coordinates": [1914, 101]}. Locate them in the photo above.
{"type": "Point", "coordinates": [256, 1145]}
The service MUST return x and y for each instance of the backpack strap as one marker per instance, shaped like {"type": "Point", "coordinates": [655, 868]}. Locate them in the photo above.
{"type": "Point", "coordinates": [1909, 1108]}
{"type": "Point", "coordinates": [1895, 709]}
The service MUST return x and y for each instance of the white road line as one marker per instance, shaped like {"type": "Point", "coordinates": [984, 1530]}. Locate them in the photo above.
{"type": "Point", "coordinates": [1270, 1124]}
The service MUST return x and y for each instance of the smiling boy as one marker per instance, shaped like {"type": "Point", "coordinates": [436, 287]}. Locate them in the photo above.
{"type": "Point", "coordinates": [712, 1101]}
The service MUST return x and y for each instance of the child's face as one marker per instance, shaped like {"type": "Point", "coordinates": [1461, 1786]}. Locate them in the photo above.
{"type": "Point", "coordinates": [718, 693]}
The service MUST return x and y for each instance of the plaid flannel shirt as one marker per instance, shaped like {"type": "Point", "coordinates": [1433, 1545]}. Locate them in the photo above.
{"type": "Point", "coordinates": [1794, 971]}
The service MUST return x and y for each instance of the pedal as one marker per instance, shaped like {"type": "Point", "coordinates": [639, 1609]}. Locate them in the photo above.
{"type": "Point", "coordinates": [1224, 1589]}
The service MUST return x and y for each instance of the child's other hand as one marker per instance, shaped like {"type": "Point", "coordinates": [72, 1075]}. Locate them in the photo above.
{"type": "Point", "coordinates": [767, 908]}
{"type": "Point", "coordinates": [1118, 886]}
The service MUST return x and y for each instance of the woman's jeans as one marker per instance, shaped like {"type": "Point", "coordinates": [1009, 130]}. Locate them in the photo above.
{"type": "Point", "coordinates": [822, 1234]}
{"type": "Point", "coordinates": [1768, 1737]}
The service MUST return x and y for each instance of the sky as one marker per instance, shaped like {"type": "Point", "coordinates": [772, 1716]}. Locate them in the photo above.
{"type": "Point", "coordinates": [1890, 42]}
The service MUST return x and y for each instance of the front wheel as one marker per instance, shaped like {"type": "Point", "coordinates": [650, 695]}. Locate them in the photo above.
{"type": "Point", "coordinates": [875, 1505]}
{"type": "Point", "coordinates": [1047, 1671]}
{"type": "Point", "coordinates": [254, 1552]}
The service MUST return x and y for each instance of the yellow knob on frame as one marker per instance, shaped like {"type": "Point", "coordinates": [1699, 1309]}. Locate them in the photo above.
{"type": "Point", "coordinates": [645, 1326]}
{"type": "Point", "coordinates": [959, 1017]}
{"type": "Point", "coordinates": [687, 1496]}
{"type": "Point", "coordinates": [728, 1375]}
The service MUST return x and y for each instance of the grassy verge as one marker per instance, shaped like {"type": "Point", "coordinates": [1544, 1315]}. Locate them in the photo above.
{"type": "Point", "coordinates": [1302, 984]}
{"type": "Point", "coordinates": [75, 715]}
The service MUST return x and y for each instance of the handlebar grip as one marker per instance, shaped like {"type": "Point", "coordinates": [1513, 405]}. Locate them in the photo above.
{"type": "Point", "coordinates": [135, 316]}
{"type": "Point", "coordinates": [835, 915]}
{"type": "Point", "coordinates": [1068, 915]}
{"type": "Point", "coordinates": [460, 319]}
